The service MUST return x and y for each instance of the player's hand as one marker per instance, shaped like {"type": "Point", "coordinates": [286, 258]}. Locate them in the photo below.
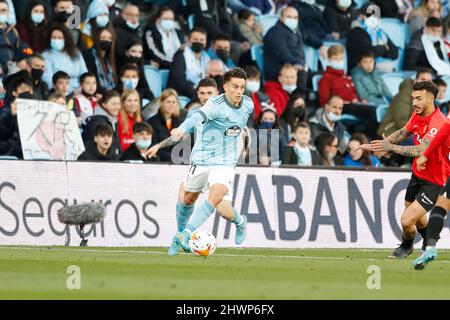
{"type": "Point", "coordinates": [379, 145]}
{"type": "Point", "coordinates": [177, 133]}
{"type": "Point", "coordinates": [421, 162]}
{"type": "Point", "coordinates": [365, 147]}
{"type": "Point", "coordinates": [152, 151]}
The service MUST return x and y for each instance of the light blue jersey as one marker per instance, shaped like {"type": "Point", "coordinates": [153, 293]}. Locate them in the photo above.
{"type": "Point", "coordinates": [217, 142]}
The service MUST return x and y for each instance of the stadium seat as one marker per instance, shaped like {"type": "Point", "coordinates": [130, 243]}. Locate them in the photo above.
{"type": "Point", "coordinates": [396, 30]}
{"type": "Point", "coordinates": [183, 101]}
{"type": "Point", "coordinates": [360, 3]}
{"type": "Point", "coordinates": [267, 21]}
{"type": "Point", "coordinates": [153, 78]}
{"type": "Point", "coordinates": [8, 158]}
{"type": "Point", "coordinates": [164, 75]}
{"type": "Point", "coordinates": [328, 44]}
{"type": "Point", "coordinates": [258, 56]}
{"type": "Point", "coordinates": [191, 21]}
{"type": "Point", "coordinates": [381, 111]}
{"type": "Point", "coordinates": [393, 80]}
{"type": "Point", "coordinates": [315, 82]}
{"type": "Point", "coordinates": [312, 58]}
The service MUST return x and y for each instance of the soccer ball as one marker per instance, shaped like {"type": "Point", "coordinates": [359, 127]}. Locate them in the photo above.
{"type": "Point", "coordinates": [202, 243]}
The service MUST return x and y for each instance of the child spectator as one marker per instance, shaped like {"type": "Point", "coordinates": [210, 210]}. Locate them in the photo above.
{"type": "Point", "coordinates": [130, 113]}
{"type": "Point", "coordinates": [131, 78]}
{"type": "Point", "coordinates": [57, 98]}
{"type": "Point", "coordinates": [85, 101]}
{"type": "Point", "coordinates": [301, 153]}
{"type": "Point", "coordinates": [142, 136]}
{"type": "Point", "coordinates": [440, 99]}
{"type": "Point", "coordinates": [61, 84]}
{"type": "Point", "coordinates": [101, 148]}
{"type": "Point", "coordinates": [358, 157]}
{"type": "Point", "coordinates": [368, 82]}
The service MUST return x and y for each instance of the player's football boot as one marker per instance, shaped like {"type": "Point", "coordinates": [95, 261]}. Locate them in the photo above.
{"type": "Point", "coordinates": [427, 256]}
{"type": "Point", "coordinates": [241, 231]}
{"type": "Point", "coordinates": [401, 252]}
{"type": "Point", "coordinates": [174, 248]}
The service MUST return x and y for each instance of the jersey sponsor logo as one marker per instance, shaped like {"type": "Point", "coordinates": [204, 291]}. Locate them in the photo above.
{"type": "Point", "coordinates": [433, 131]}
{"type": "Point", "coordinates": [233, 131]}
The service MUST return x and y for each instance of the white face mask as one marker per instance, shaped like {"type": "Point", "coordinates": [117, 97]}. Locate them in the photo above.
{"type": "Point", "coordinates": [289, 88]}
{"type": "Point", "coordinates": [130, 83]}
{"type": "Point", "coordinates": [433, 38]}
{"type": "Point", "coordinates": [372, 22]}
{"type": "Point", "coordinates": [253, 86]}
{"type": "Point", "coordinates": [37, 17]}
{"type": "Point", "coordinates": [332, 117]}
{"type": "Point", "coordinates": [291, 23]}
{"type": "Point", "coordinates": [336, 64]}
{"type": "Point", "coordinates": [345, 3]}
{"type": "Point", "coordinates": [3, 18]}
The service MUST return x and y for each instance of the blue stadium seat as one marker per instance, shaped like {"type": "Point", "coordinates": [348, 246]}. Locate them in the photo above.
{"type": "Point", "coordinates": [153, 78]}
{"type": "Point", "coordinates": [396, 31]}
{"type": "Point", "coordinates": [267, 21]}
{"type": "Point", "coordinates": [191, 21]}
{"type": "Point", "coordinates": [258, 56]}
{"type": "Point", "coordinates": [393, 80]}
{"type": "Point", "coordinates": [312, 58]}
{"type": "Point", "coordinates": [164, 75]}
{"type": "Point", "coordinates": [183, 101]}
{"type": "Point", "coordinates": [8, 158]}
{"type": "Point", "coordinates": [315, 82]}
{"type": "Point", "coordinates": [328, 44]}
{"type": "Point", "coordinates": [360, 3]}
{"type": "Point", "coordinates": [381, 111]}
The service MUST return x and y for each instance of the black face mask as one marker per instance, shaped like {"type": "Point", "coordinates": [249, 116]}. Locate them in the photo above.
{"type": "Point", "coordinates": [197, 47]}
{"type": "Point", "coordinates": [26, 95]}
{"type": "Point", "coordinates": [37, 74]}
{"type": "Point", "coordinates": [105, 45]}
{"type": "Point", "coordinates": [62, 17]}
{"type": "Point", "coordinates": [299, 112]}
{"type": "Point", "coordinates": [134, 60]}
{"type": "Point", "coordinates": [223, 54]}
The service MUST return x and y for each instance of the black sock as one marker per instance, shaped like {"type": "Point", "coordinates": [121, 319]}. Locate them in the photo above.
{"type": "Point", "coordinates": [408, 240]}
{"type": "Point", "coordinates": [435, 225]}
{"type": "Point", "coordinates": [423, 233]}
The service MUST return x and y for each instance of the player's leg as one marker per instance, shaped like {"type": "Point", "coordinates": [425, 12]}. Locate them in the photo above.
{"type": "Point", "coordinates": [185, 206]}
{"type": "Point", "coordinates": [410, 216]}
{"type": "Point", "coordinates": [421, 227]}
{"type": "Point", "coordinates": [435, 225]}
{"type": "Point", "coordinates": [226, 211]}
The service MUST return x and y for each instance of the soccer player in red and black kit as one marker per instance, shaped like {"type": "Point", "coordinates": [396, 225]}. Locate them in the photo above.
{"type": "Point", "coordinates": [424, 186]}
{"type": "Point", "coordinates": [437, 215]}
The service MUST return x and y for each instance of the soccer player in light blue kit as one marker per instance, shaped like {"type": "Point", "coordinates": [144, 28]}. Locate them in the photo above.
{"type": "Point", "coordinates": [213, 159]}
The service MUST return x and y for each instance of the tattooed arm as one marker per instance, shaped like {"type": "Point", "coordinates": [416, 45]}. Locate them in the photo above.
{"type": "Point", "coordinates": [170, 141]}
{"type": "Point", "coordinates": [398, 136]}
{"type": "Point", "coordinates": [408, 151]}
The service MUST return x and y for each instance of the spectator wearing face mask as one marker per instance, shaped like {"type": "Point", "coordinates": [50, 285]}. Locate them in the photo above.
{"type": "Point", "coordinates": [270, 138]}
{"type": "Point", "coordinates": [142, 137]}
{"type": "Point", "coordinates": [339, 15]}
{"type": "Point", "coordinates": [427, 50]}
{"type": "Point", "coordinates": [114, 11]}
{"type": "Point", "coordinates": [327, 119]}
{"type": "Point", "coordinates": [63, 10]}
{"type": "Point", "coordinates": [280, 91]}
{"type": "Point", "coordinates": [301, 152]}
{"type": "Point", "coordinates": [189, 64]}
{"type": "Point", "coordinates": [62, 55]}
{"type": "Point", "coordinates": [33, 30]}
{"type": "Point", "coordinates": [162, 39]}
{"type": "Point", "coordinates": [254, 90]}
{"type": "Point", "coordinates": [131, 78]}
{"type": "Point", "coordinates": [367, 36]}
{"type": "Point", "coordinates": [97, 17]}
{"type": "Point", "coordinates": [294, 113]}
{"type": "Point", "coordinates": [9, 37]}
{"type": "Point", "coordinates": [215, 69]}
{"type": "Point", "coordinates": [101, 60]}
{"type": "Point", "coordinates": [220, 49]}
{"type": "Point", "coordinates": [419, 16]}
{"type": "Point", "coordinates": [327, 146]}
{"type": "Point", "coordinates": [127, 29]}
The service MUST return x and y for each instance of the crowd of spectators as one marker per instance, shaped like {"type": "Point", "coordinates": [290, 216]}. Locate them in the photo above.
{"type": "Point", "coordinates": [96, 69]}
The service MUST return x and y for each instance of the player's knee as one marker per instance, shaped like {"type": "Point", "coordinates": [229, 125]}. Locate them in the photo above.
{"type": "Point", "coordinates": [407, 223]}
{"type": "Point", "coordinates": [189, 198]}
{"type": "Point", "coordinates": [215, 198]}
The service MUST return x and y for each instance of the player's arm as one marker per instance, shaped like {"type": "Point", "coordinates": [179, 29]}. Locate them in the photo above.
{"type": "Point", "coordinates": [398, 136]}
{"type": "Point", "coordinates": [407, 151]}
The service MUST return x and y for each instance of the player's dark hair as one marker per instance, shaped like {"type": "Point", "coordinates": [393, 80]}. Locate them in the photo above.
{"type": "Point", "coordinates": [234, 73]}
{"type": "Point", "coordinates": [428, 86]}
{"type": "Point", "coordinates": [433, 22]}
{"type": "Point", "coordinates": [103, 129]}
{"type": "Point", "coordinates": [142, 127]}
{"type": "Point", "coordinates": [206, 82]}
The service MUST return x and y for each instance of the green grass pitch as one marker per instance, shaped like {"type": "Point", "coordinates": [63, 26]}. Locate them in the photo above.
{"type": "Point", "coordinates": [148, 273]}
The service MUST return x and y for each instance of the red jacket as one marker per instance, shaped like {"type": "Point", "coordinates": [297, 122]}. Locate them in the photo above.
{"type": "Point", "coordinates": [277, 95]}
{"type": "Point", "coordinates": [125, 138]}
{"type": "Point", "coordinates": [336, 82]}
{"type": "Point", "coordinates": [257, 106]}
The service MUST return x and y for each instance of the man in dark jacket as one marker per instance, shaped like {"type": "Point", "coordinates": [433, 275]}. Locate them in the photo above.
{"type": "Point", "coordinates": [100, 149]}
{"type": "Point", "coordinates": [340, 14]}
{"type": "Point", "coordinates": [127, 29]}
{"type": "Point", "coordinates": [415, 56]}
{"type": "Point", "coordinates": [283, 44]}
{"type": "Point", "coordinates": [9, 38]}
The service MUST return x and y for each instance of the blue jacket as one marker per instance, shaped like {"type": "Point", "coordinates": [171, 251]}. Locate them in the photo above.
{"type": "Point", "coordinates": [349, 162]}
{"type": "Point", "coordinates": [370, 86]}
{"type": "Point", "coordinates": [281, 46]}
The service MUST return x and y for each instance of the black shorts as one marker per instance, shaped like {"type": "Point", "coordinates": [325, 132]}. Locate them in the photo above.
{"type": "Point", "coordinates": [446, 189]}
{"type": "Point", "coordinates": [425, 192]}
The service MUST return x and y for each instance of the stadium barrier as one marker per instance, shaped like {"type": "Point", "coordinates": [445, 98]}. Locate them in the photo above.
{"type": "Point", "coordinates": [286, 207]}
